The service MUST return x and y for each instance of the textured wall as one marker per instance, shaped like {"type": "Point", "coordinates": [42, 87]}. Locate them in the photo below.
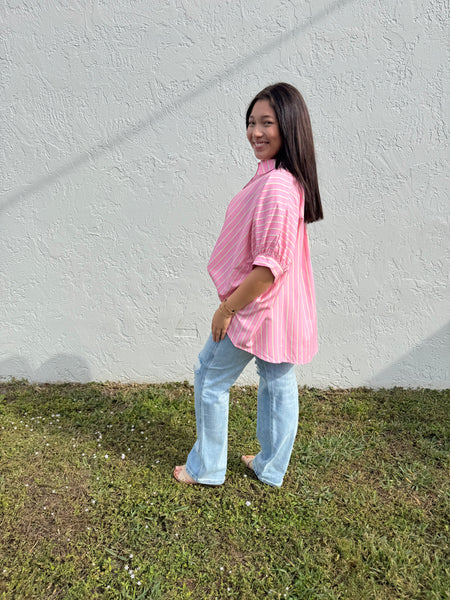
{"type": "Point", "coordinates": [123, 142]}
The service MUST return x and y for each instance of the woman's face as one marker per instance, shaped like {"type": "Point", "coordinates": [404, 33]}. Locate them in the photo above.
{"type": "Point", "coordinates": [263, 132]}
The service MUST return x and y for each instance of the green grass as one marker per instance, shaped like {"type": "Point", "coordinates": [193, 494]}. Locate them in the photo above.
{"type": "Point", "coordinates": [86, 497]}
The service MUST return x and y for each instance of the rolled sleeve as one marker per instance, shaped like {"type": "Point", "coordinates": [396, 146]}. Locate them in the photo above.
{"type": "Point", "coordinates": [270, 263]}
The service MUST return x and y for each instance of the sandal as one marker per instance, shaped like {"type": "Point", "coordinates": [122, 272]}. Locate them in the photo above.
{"type": "Point", "coordinates": [247, 459]}
{"type": "Point", "coordinates": [182, 476]}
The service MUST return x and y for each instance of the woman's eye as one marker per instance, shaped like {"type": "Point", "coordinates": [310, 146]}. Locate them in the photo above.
{"type": "Point", "coordinates": [268, 123]}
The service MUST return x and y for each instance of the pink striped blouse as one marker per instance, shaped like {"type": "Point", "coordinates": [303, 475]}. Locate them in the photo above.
{"type": "Point", "coordinates": [264, 226]}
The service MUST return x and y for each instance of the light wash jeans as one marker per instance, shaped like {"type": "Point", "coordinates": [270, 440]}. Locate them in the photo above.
{"type": "Point", "coordinates": [218, 367]}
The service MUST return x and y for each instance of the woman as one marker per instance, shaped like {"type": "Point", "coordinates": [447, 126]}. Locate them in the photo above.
{"type": "Point", "coordinates": [261, 268]}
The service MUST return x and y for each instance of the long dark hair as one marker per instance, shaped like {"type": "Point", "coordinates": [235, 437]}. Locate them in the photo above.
{"type": "Point", "coordinates": [297, 151]}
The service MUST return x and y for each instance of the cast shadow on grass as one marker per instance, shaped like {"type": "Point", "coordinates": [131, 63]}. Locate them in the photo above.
{"type": "Point", "coordinates": [151, 425]}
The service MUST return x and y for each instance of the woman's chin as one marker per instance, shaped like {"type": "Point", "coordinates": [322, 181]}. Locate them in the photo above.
{"type": "Point", "coordinates": [260, 155]}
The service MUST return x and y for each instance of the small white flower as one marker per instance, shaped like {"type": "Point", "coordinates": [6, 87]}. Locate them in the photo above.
{"type": "Point", "coordinates": [126, 567]}
{"type": "Point", "coordinates": [248, 503]}
{"type": "Point", "coordinates": [123, 456]}
{"type": "Point", "coordinates": [132, 575]}
{"type": "Point", "coordinates": [131, 556]}
{"type": "Point", "coordinates": [106, 456]}
{"type": "Point", "coordinates": [139, 583]}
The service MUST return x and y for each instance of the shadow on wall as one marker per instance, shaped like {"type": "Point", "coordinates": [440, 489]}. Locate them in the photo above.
{"type": "Point", "coordinates": [431, 359]}
{"type": "Point", "coordinates": [128, 133]}
{"type": "Point", "coordinates": [59, 368]}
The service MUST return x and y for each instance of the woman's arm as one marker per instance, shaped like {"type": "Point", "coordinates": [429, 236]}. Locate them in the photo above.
{"type": "Point", "coordinates": [256, 283]}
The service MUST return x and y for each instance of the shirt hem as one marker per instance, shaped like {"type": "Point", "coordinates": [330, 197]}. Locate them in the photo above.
{"type": "Point", "coordinates": [261, 355]}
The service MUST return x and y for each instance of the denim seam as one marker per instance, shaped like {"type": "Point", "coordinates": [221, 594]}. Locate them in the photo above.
{"type": "Point", "coordinates": [270, 392]}
{"type": "Point", "coordinates": [202, 370]}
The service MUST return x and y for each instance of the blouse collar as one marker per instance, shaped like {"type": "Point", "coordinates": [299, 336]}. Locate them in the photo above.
{"type": "Point", "coordinates": [264, 166]}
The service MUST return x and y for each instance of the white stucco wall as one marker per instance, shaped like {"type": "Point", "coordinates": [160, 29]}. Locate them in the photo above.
{"type": "Point", "coordinates": [123, 140]}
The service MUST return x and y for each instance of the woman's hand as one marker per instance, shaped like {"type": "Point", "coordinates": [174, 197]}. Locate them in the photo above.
{"type": "Point", "coordinates": [219, 325]}
{"type": "Point", "coordinates": [256, 283]}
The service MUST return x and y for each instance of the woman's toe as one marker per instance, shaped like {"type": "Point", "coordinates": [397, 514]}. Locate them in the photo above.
{"type": "Point", "coordinates": [182, 476]}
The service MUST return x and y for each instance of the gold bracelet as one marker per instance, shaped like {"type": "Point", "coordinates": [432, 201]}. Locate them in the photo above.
{"type": "Point", "coordinates": [229, 312]}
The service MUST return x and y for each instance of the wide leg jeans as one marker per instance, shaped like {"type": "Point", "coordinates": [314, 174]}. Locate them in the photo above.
{"type": "Point", "coordinates": [219, 365]}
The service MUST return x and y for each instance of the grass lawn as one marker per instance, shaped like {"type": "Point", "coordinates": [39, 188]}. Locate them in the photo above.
{"type": "Point", "coordinates": [89, 509]}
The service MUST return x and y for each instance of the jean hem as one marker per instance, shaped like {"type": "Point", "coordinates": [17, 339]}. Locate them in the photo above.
{"type": "Point", "coordinates": [204, 481]}
{"type": "Point", "coordinates": [266, 481]}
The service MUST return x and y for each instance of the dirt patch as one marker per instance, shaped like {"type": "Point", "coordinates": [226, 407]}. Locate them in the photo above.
{"type": "Point", "coordinates": [54, 514]}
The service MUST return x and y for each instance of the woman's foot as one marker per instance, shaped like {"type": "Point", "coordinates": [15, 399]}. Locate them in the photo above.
{"type": "Point", "coordinates": [247, 459]}
{"type": "Point", "coordinates": [182, 476]}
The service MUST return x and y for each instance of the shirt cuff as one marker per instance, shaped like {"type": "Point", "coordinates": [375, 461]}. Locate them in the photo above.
{"type": "Point", "coordinates": [271, 263]}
